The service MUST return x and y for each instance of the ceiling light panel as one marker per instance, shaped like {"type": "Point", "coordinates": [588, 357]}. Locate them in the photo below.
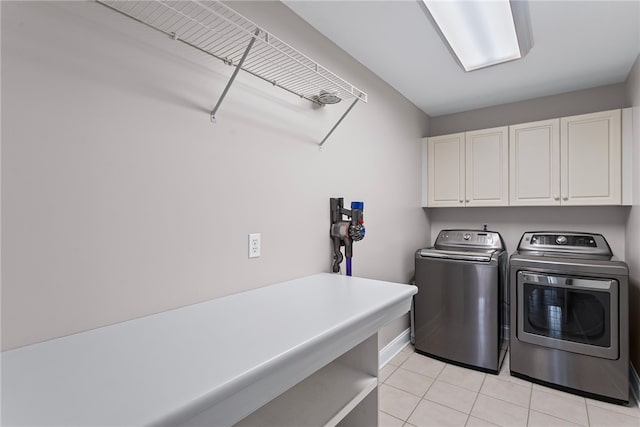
{"type": "Point", "coordinates": [480, 33]}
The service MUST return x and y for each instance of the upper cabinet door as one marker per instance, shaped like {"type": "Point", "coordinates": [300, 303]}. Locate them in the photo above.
{"type": "Point", "coordinates": [534, 163]}
{"type": "Point", "coordinates": [446, 173]}
{"type": "Point", "coordinates": [487, 167]}
{"type": "Point", "coordinates": [591, 159]}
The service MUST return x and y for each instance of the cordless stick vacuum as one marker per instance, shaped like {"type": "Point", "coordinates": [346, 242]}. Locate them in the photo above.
{"type": "Point", "coordinates": [345, 232]}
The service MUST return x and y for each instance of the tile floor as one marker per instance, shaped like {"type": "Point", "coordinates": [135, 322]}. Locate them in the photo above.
{"type": "Point", "coordinates": [418, 391]}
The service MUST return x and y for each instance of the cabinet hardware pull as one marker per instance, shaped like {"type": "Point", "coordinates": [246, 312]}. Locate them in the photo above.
{"type": "Point", "coordinates": [565, 198]}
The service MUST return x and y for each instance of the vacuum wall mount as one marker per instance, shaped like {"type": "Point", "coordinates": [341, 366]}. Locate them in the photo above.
{"type": "Point", "coordinates": [345, 231]}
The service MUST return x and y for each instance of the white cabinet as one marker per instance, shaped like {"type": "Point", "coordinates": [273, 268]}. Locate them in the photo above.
{"type": "Point", "coordinates": [534, 163]}
{"type": "Point", "coordinates": [468, 169]}
{"type": "Point", "coordinates": [445, 170]}
{"type": "Point", "coordinates": [569, 161]}
{"type": "Point", "coordinates": [591, 159]}
{"type": "Point", "coordinates": [487, 167]}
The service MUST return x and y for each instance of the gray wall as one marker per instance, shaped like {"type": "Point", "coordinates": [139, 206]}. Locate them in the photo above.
{"type": "Point", "coordinates": [121, 199]}
{"type": "Point", "coordinates": [633, 220]}
{"type": "Point", "coordinates": [511, 222]}
{"type": "Point", "coordinates": [548, 107]}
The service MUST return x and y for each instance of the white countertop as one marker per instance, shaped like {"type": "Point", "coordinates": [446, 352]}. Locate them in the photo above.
{"type": "Point", "coordinates": [233, 353]}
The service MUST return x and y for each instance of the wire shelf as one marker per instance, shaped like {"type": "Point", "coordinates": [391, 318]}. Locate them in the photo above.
{"type": "Point", "coordinates": [218, 30]}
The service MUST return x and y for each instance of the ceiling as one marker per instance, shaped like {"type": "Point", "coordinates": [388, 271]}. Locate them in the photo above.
{"type": "Point", "coordinates": [576, 45]}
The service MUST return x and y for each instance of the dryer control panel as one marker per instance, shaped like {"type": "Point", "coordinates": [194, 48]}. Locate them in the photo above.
{"type": "Point", "coordinates": [564, 242]}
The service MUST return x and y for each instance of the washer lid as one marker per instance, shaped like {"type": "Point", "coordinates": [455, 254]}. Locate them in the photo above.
{"type": "Point", "coordinates": [477, 256]}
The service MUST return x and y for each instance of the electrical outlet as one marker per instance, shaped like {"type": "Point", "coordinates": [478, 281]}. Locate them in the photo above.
{"type": "Point", "coordinates": [254, 245]}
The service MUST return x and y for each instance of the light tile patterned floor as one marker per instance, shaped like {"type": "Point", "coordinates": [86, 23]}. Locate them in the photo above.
{"type": "Point", "coordinates": [419, 391]}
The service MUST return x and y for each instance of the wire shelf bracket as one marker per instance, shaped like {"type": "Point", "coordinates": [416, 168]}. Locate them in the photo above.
{"type": "Point", "coordinates": [217, 30]}
{"type": "Point", "coordinates": [233, 77]}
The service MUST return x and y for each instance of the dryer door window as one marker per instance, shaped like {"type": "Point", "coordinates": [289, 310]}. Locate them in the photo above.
{"type": "Point", "coordinates": [567, 314]}
{"type": "Point", "coordinates": [573, 314]}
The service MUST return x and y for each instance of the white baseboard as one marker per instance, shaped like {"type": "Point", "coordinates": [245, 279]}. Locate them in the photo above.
{"type": "Point", "coordinates": [394, 347]}
{"type": "Point", "coordinates": [635, 384]}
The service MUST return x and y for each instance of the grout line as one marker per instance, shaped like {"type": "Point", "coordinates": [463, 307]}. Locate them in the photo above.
{"type": "Point", "coordinates": [529, 408]}
{"type": "Point", "coordinates": [486, 420]}
{"type": "Point", "coordinates": [465, 388]}
{"type": "Point", "coordinates": [404, 391]}
{"type": "Point", "coordinates": [476, 399]}
{"type": "Point", "coordinates": [392, 416]}
{"type": "Point", "coordinates": [611, 411]}
{"type": "Point", "coordinates": [412, 394]}
{"type": "Point", "coordinates": [569, 395]}
{"type": "Point", "coordinates": [413, 410]}
{"type": "Point", "coordinates": [562, 420]}
{"type": "Point", "coordinates": [423, 395]}
{"type": "Point", "coordinates": [395, 368]}
{"type": "Point", "coordinates": [509, 401]}
{"type": "Point", "coordinates": [586, 408]}
{"type": "Point", "coordinates": [427, 390]}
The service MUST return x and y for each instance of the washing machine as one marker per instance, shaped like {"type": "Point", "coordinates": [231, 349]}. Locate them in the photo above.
{"type": "Point", "coordinates": [461, 311]}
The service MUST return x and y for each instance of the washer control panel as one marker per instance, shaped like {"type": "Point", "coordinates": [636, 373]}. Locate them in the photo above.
{"type": "Point", "coordinates": [469, 238]}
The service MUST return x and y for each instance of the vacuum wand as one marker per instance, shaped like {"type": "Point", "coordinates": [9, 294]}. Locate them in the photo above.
{"type": "Point", "coordinates": [345, 231]}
